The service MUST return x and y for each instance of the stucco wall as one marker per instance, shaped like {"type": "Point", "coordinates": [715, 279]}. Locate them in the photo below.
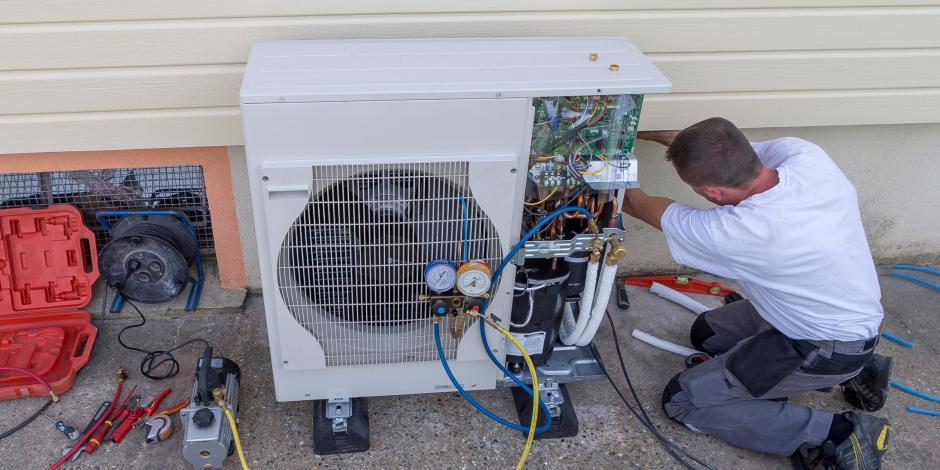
{"type": "Point", "coordinates": [893, 168]}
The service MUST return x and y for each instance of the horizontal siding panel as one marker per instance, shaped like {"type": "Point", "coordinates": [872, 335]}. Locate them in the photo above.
{"type": "Point", "coordinates": [218, 41]}
{"type": "Point", "coordinates": [222, 126]}
{"type": "Point", "coordinates": [835, 70]}
{"type": "Point", "coordinates": [206, 86]}
{"type": "Point", "coordinates": [795, 109]}
{"type": "Point", "coordinates": [40, 11]}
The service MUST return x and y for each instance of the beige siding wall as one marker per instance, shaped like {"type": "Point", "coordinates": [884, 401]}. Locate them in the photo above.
{"type": "Point", "coordinates": [117, 74]}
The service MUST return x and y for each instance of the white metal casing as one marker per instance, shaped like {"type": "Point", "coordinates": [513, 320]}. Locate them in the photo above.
{"type": "Point", "coordinates": [309, 103]}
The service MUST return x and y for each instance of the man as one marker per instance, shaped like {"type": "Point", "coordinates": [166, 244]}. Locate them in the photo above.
{"type": "Point", "coordinates": [788, 230]}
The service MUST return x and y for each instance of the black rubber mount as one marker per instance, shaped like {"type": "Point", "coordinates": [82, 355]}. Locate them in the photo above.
{"type": "Point", "coordinates": [565, 425]}
{"type": "Point", "coordinates": [355, 439]}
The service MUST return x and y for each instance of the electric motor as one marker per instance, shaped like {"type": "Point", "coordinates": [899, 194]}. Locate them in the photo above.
{"type": "Point", "coordinates": [208, 439]}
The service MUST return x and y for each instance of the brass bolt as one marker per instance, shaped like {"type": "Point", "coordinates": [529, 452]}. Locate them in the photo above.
{"type": "Point", "coordinates": [593, 57]}
{"type": "Point", "coordinates": [614, 67]}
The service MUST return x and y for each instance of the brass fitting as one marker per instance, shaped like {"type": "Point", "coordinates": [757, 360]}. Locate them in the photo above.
{"type": "Point", "coordinates": [55, 397]}
{"type": "Point", "coordinates": [592, 226]}
{"type": "Point", "coordinates": [218, 394]}
{"type": "Point", "coordinates": [616, 251]}
{"type": "Point", "coordinates": [596, 250]}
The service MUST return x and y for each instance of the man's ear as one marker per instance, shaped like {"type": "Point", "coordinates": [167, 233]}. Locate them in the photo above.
{"type": "Point", "coordinates": [713, 193]}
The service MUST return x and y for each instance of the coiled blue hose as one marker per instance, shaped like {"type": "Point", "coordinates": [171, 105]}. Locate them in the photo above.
{"type": "Point", "coordinates": [486, 345]}
{"type": "Point", "coordinates": [466, 396]}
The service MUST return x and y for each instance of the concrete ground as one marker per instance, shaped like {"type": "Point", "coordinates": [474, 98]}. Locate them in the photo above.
{"type": "Point", "coordinates": [440, 430]}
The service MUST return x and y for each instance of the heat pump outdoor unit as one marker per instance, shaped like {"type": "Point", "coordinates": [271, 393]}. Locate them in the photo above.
{"type": "Point", "coordinates": [370, 159]}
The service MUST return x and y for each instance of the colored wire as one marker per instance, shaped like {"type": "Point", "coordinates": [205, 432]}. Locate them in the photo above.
{"type": "Point", "coordinates": [917, 281]}
{"type": "Point", "coordinates": [603, 159]}
{"type": "Point", "coordinates": [922, 269]}
{"type": "Point", "coordinates": [550, 194]}
{"type": "Point", "coordinates": [238, 441]}
{"type": "Point", "coordinates": [923, 411]}
{"type": "Point", "coordinates": [466, 228]}
{"type": "Point", "coordinates": [901, 341]}
{"type": "Point", "coordinates": [677, 452]}
{"type": "Point", "coordinates": [463, 393]}
{"type": "Point", "coordinates": [914, 391]}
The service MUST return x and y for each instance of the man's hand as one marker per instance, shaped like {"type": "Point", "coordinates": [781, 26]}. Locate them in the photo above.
{"type": "Point", "coordinates": [663, 137]}
{"type": "Point", "coordinates": [647, 208]}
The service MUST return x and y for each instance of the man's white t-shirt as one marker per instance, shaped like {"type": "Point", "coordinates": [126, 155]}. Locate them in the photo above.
{"type": "Point", "coordinates": [798, 250]}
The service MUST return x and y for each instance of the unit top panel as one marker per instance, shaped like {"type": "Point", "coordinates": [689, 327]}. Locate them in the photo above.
{"type": "Point", "coordinates": [388, 69]}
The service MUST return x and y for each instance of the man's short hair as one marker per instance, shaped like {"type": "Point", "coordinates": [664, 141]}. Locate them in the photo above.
{"type": "Point", "coordinates": [714, 152]}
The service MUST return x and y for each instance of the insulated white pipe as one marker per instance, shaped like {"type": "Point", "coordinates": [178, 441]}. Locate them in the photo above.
{"type": "Point", "coordinates": [571, 329]}
{"type": "Point", "coordinates": [604, 288]}
{"type": "Point", "coordinates": [679, 298]}
{"type": "Point", "coordinates": [663, 344]}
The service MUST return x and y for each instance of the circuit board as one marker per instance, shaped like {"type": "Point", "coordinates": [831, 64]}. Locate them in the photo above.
{"type": "Point", "coordinates": [584, 140]}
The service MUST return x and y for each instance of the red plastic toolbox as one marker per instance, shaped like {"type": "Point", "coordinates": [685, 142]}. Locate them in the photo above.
{"type": "Point", "coordinates": [48, 264]}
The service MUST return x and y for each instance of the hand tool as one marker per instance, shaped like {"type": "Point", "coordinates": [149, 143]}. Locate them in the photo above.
{"type": "Point", "coordinates": [132, 404]}
{"type": "Point", "coordinates": [69, 431]}
{"type": "Point", "coordinates": [121, 376]}
{"type": "Point", "coordinates": [98, 437]}
{"type": "Point", "coordinates": [98, 415]}
{"type": "Point", "coordinates": [158, 427]}
{"type": "Point", "coordinates": [137, 414]}
{"type": "Point", "coordinates": [681, 284]}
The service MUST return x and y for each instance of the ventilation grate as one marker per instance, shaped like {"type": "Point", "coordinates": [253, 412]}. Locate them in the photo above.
{"type": "Point", "coordinates": [351, 267]}
{"type": "Point", "coordinates": [176, 188]}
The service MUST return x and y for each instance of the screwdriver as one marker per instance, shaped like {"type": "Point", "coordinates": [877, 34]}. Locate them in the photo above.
{"type": "Point", "coordinates": [69, 431]}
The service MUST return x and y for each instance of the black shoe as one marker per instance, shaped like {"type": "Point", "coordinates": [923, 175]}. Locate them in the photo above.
{"type": "Point", "coordinates": [863, 449]}
{"type": "Point", "coordinates": [869, 389]}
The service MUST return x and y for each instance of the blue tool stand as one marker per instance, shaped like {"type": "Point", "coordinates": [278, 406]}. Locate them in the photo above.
{"type": "Point", "coordinates": [192, 303]}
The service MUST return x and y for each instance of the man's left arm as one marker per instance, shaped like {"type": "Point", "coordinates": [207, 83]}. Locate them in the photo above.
{"type": "Point", "coordinates": [649, 209]}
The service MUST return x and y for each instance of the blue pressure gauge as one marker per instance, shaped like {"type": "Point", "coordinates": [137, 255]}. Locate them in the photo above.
{"type": "Point", "coordinates": [440, 275]}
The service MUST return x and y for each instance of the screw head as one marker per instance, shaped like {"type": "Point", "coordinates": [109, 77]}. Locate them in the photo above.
{"type": "Point", "coordinates": [593, 57]}
{"type": "Point", "coordinates": [614, 67]}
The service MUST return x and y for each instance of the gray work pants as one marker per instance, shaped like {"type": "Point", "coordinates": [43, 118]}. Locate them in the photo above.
{"type": "Point", "coordinates": [736, 396]}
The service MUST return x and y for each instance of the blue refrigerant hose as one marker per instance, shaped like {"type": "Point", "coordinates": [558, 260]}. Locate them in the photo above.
{"type": "Point", "coordinates": [486, 346]}
{"type": "Point", "coordinates": [466, 396]}
{"type": "Point", "coordinates": [495, 281]}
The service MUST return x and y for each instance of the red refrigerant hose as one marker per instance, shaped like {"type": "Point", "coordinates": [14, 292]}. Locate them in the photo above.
{"type": "Point", "coordinates": [53, 399]}
{"type": "Point", "coordinates": [121, 375]}
{"type": "Point", "coordinates": [35, 377]}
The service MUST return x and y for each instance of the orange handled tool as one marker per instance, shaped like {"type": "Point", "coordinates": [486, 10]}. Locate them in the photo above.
{"type": "Point", "coordinates": [136, 414]}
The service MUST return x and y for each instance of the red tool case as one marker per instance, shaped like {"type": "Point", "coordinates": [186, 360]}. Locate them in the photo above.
{"type": "Point", "coordinates": [48, 264]}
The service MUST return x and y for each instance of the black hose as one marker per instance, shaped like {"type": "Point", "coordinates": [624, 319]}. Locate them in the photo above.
{"type": "Point", "coordinates": [26, 421]}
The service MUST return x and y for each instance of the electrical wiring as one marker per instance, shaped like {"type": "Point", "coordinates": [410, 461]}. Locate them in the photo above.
{"type": "Point", "coordinates": [599, 171]}
{"type": "Point", "coordinates": [680, 454]}
{"type": "Point", "coordinates": [154, 360]}
{"type": "Point", "coordinates": [550, 194]}
{"type": "Point", "coordinates": [29, 419]}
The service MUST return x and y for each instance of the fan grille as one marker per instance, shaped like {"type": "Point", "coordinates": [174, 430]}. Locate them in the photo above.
{"type": "Point", "coordinates": [351, 267]}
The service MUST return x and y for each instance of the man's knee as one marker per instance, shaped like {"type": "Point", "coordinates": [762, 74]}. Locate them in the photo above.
{"type": "Point", "coordinates": [672, 388]}
{"type": "Point", "coordinates": [700, 332]}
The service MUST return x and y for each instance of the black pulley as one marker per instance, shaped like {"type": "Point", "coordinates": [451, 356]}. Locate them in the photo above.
{"type": "Point", "coordinates": [148, 257]}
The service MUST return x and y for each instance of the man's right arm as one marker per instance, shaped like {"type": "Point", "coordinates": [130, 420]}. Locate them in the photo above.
{"type": "Point", "coordinates": [662, 137]}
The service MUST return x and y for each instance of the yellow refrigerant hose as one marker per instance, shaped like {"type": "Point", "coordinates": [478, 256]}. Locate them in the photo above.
{"type": "Point", "coordinates": [533, 423]}
{"type": "Point", "coordinates": [220, 400]}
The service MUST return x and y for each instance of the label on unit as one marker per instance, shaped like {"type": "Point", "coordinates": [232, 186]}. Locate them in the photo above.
{"type": "Point", "coordinates": [534, 343]}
